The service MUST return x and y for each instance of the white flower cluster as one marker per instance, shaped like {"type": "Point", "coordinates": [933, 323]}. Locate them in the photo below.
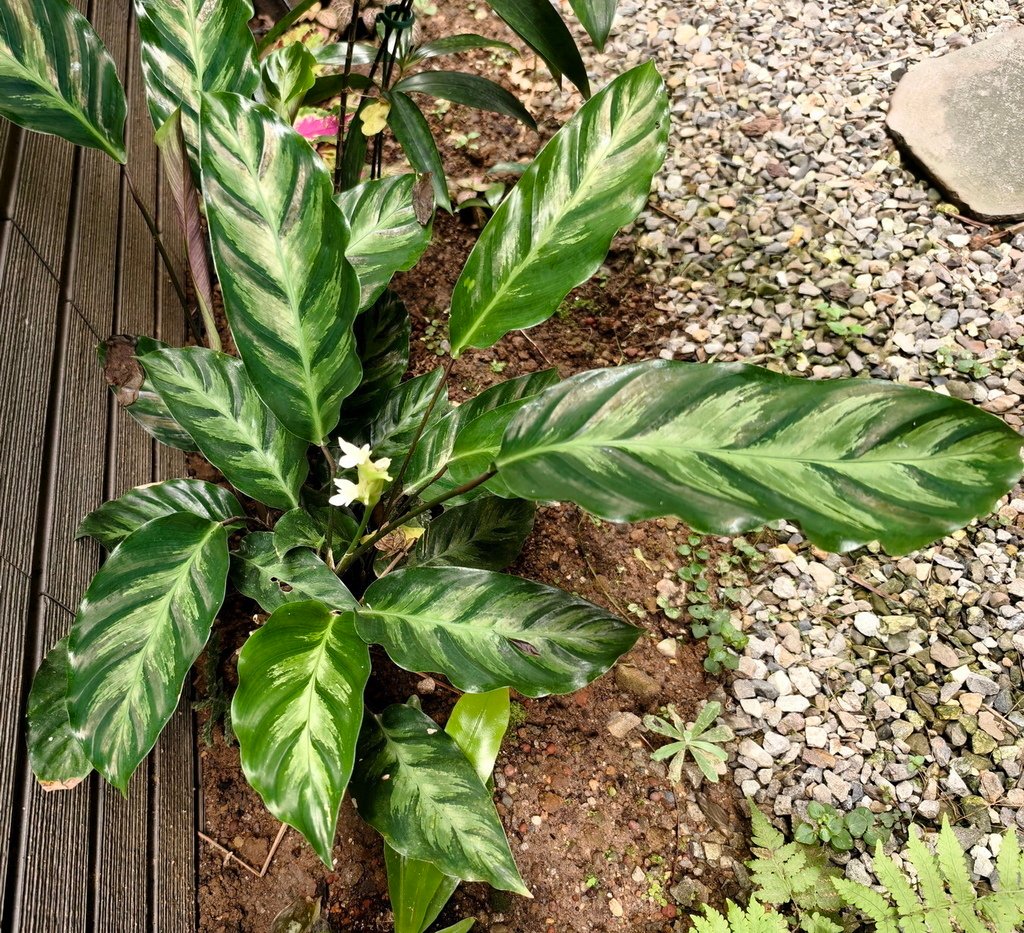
{"type": "Point", "coordinates": [372, 476]}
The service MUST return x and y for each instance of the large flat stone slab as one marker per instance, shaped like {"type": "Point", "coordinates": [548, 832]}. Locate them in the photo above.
{"type": "Point", "coordinates": [962, 117]}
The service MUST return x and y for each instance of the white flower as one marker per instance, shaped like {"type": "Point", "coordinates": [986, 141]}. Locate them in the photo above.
{"type": "Point", "coordinates": [373, 476]}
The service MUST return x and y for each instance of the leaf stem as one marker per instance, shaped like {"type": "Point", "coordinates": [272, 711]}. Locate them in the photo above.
{"type": "Point", "coordinates": [413, 513]}
{"type": "Point", "coordinates": [353, 550]}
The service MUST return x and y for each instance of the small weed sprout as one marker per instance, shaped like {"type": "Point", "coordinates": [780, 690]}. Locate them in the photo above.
{"type": "Point", "coordinates": [702, 742]}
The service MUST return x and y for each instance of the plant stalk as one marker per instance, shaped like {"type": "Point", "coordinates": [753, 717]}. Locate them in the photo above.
{"type": "Point", "coordinates": [353, 551]}
{"type": "Point", "coordinates": [339, 146]}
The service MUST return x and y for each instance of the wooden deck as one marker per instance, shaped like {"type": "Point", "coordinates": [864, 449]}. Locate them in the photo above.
{"type": "Point", "coordinates": [77, 263]}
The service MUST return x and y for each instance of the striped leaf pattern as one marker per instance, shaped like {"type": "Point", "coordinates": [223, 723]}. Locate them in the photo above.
{"type": "Point", "coordinates": [729, 447]}
{"type": "Point", "coordinates": [385, 235]}
{"type": "Point", "coordinates": [57, 77]}
{"type": "Point", "coordinates": [211, 395]}
{"type": "Point", "coordinates": [142, 623]}
{"type": "Point", "coordinates": [297, 713]}
{"type": "Point", "coordinates": [191, 47]}
{"type": "Point", "coordinates": [418, 890]}
{"type": "Point", "coordinates": [415, 786]}
{"type": "Point", "coordinates": [273, 581]}
{"type": "Point", "coordinates": [113, 521]}
{"type": "Point", "coordinates": [56, 756]}
{"type": "Point", "coordinates": [399, 419]}
{"type": "Point", "coordinates": [553, 231]}
{"type": "Point", "coordinates": [279, 247]}
{"type": "Point", "coordinates": [488, 534]}
{"type": "Point", "coordinates": [435, 447]}
{"type": "Point", "coordinates": [486, 630]}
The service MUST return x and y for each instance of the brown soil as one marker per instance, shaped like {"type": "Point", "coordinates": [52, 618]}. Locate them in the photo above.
{"type": "Point", "coordinates": [595, 827]}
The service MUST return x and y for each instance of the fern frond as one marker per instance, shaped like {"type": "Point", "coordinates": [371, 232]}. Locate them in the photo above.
{"type": "Point", "coordinates": [933, 891]}
{"type": "Point", "coordinates": [873, 905]}
{"type": "Point", "coordinates": [816, 923]}
{"type": "Point", "coordinates": [953, 865]}
{"type": "Point", "coordinates": [762, 834]}
{"type": "Point", "coordinates": [1005, 907]}
{"type": "Point", "coordinates": [908, 906]}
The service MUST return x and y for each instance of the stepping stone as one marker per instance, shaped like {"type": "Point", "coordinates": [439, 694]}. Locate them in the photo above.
{"type": "Point", "coordinates": [960, 115]}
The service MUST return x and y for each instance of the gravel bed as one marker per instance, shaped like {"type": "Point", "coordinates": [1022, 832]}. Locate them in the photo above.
{"type": "Point", "coordinates": [788, 231]}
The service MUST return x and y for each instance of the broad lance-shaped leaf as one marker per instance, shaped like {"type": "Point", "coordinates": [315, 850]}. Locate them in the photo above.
{"type": "Point", "coordinates": [297, 713]}
{"type": "Point", "coordinates": [57, 77]}
{"type": "Point", "coordinates": [211, 395]}
{"type": "Point", "coordinates": [385, 236]}
{"type": "Point", "coordinates": [56, 756]}
{"type": "Point", "coordinates": [469, 90]}
{"type": "Point", "coordinates": [418, 890]}
{"type": "Point", "coordinates": [485, 630]}
{"type": "Point", "coordinates": [190, 47]}
{"type": "Point", "coordinates": [415, 786]}
{"type": "Point", "coordinates": [452, 45]}
{"type": "Point", "coordinates": [403, 411]}
{"type": "Point", "coordinates": [487, 533]}
{"type": "Point", "coordinates": [728, 447]}
{"type": "Point", "coordinates": [413, 134]}
{"type": "Point", "coordinates": [113, 521]}
{"type": "Point", "coordinates": [142, 623]}
{"type": "Point", "coordinates": [272, 581]}
{"type": "Point", "coordinates": [382, 341]}
{"type": "Point", "coordinates": [553, 231]}
{"type": "Point", "coordinates": [279, 246]}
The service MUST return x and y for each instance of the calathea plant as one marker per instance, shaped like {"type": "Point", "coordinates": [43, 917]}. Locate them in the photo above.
{"type": "Point", "coordinates": [367, 510]}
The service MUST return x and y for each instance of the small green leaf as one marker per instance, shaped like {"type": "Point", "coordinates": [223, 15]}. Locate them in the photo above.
{"type": "Point", "coordinates": [597, 17]}
{"type": "Point", "coordinates": [55, 755]}
{"type": "Point", "coordinates": [385, 236]}
{"type": "Point", "coordinates": [728, 447]}
{"type": "Point", "coordinates": [299, 528]}
{"type": "Point", "coordinates": [211, 395]}
{"type": "Point", "coordinates": [554, 229]}
{"type": "Point", "coordinates": [288, 74]}
{"type": "Point", "coordinates": [485, 630]}
{"type": "Point", "coordinates": [453, 45]}
{"type": "Point", "coordinates": [143, 621]}
{"type": "Point", "coordinates": [403, 411]}
{"type": "Point", "coordinates": [297, 713]}
{"type": "Point", "coordinates": [413, 134]}
{"type": "Point", "coordinates": [382, 342]}
{"type": "Point", "coordinates": [273, 581]}
{"type": "Point", "coordinates": [57, 77]}
{"type": "Point", "coordinates": [415, 786]}
{"type": "Point", "coordinates": [113, 521]}
{"type": "Point", "coordinates": [487, 533]}
{"type": "Point", "coordinates": [467, 89]}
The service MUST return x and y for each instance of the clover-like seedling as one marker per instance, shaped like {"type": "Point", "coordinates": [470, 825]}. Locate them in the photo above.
{"type": "Point", "coordinates": [702, 742]}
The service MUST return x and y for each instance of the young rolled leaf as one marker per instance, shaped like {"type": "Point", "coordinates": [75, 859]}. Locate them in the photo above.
{"type": "Point", "coordinates": [382, 342]}
{"type": "Point", "coordinates": [57, 77]}
{"type": "Point", "coordinates": [288, 74]}
{"type": "Point", "coordinates": [384, 235]}
{"type": "Point", "coordinates": [487, 534]}
{"type": "Point", "coordinates": [170, 140]}
{"type": "Point", "coordinates": [115, 520]}
{"type": "Point", "coordinates": [55, 755]}
{"type": "Point", "coordinates": [297, 713]}
{"type": "Point", "coordinates": [415, 786]}
{"type": "Point", "coordinates": [134, 390]}
{"type": "Point", "coordinates": [418, 890]}
{"type": "Point", "coordinates": [553, 231]}
{"type": "Point", "coordinates": [191, 47]}
{"type": "Point", "coordinates": [597, 17]}
{"type": "Point", "coordinates": [413, 134]}
{"type": "Point", "coordinates": [211, 395]}
{"type": "Point", "coordinates": [273, 581]}
{"type": "Point", "coordinates": [279, 247]}
{"type": "Point", "coordinates": [728, 447]}
{"type": "Point", "coordinates": [486, 630]}
{"type": "Point", "coordinates": [469, 90]}
{"type": "Point", "coordinates": [142, 623]}
{"type": "Point", "coordinates": [538, 24]}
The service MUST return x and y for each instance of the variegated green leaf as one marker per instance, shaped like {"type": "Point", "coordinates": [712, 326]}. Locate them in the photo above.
{"type": "Point", "coordinates": [190, 47]}
{"type": "Point", "coordinates": [487, 534]}
{"type": "Point", "coordinates": [418, 890]}
{"type": "Point", "coordinates": [300, 528]}
{"type": "Point", "coordinates": [136, 397]}
{"type": "Point", "coordinates": [142, 623]}
{"type": "Point", "coordinates": [113, 521]}
{"type": "Point", "coordinates": [297, 713]}
{"type": "Point", "coordinates": [728, 447]}
{"type": "Point", "coordinates": [415, 786]}
{"type": "Point", "coordinates": [55, 755]}
{"type": "Point", "coordinates": [485, 630]}
{"type": "Point", "coordinates": [435, 447]}
{"type": "Point", "coordinates": [211, 395]}
{"type": "Point", "coordinates": [288, 74]}
{"type": "Point", "coordinates": [385, 236]}
{"type": "Point", "coordinates": [382, 341]}
{"type": "Point", "coordinates": [553, 231]}
{"type": "Point", "coordinates": [403, 411]}
{"type": "Point", "coordinates": [272, 581]}
{"type": "Point", "coordinates": [279, 246]}
{"type": "Point", "coordinates": [57, 77]}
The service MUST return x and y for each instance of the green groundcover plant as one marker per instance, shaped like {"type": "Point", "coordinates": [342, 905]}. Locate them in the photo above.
{"type": "Point", "coordinates": [367, 510]}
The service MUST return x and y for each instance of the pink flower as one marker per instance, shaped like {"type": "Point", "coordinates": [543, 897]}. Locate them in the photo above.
{"type": "Point", "coordinates": [317, 126]}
